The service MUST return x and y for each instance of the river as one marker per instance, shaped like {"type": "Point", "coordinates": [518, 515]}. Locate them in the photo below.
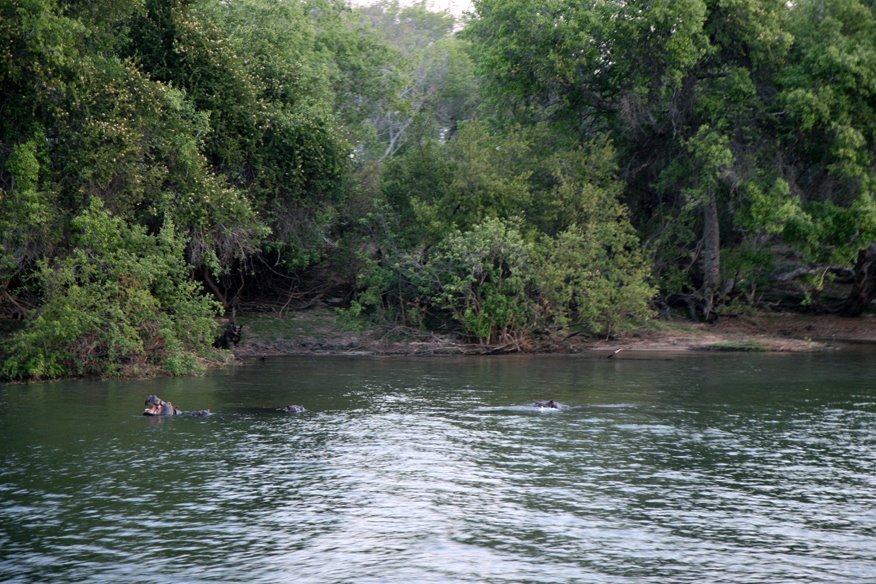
{"type": "Point", "coordinates": [667, 468]}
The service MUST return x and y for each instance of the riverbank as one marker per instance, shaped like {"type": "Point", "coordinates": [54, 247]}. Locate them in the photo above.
{"type": "Point", "coordinates": [323, 331]}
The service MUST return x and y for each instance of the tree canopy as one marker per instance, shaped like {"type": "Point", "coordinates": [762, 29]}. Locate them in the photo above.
{"type": "Point", "coordinates": [536, 168]}
{"type": "Point", "coordinates": [741, 125]}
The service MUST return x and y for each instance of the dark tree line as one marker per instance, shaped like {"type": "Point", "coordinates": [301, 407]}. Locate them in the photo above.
{"type": "Point", "coordinates": [540, 167]}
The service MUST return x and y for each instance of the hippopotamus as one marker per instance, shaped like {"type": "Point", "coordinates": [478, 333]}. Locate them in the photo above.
{"type": "Point", "coordinates": [155, 406]}
{"type": "Point", "coordinates": [158, 407]}
{"type": "Point", "coordinates": [549, 403]}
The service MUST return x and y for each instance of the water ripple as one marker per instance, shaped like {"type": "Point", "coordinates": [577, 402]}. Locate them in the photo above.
{"type": "Point", "coordinates": [418, 471]}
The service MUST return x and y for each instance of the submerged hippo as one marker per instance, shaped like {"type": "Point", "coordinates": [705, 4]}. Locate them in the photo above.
{"type": "Point", "coordinates": [293, 409]}
{"type": "Point", "coordinates": [199, 413]}
{"type": "Point", "coordinates": [549, 403]}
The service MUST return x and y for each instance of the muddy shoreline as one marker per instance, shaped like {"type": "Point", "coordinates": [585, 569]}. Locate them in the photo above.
{"type": "Point", "coordinates": [320, 332]}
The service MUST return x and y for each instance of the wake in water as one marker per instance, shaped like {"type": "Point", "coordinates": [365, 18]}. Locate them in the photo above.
{"type": "Point", "coordinates": [543, 406]}
{"type": "Point", "coordinates": [540, 409]}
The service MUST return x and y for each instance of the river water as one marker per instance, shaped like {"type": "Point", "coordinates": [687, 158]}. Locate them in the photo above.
{"type": "Point", "coordinates": [668, 468]}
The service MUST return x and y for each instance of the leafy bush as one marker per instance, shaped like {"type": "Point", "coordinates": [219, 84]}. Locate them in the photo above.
{"type": "Point", "coordinates": [484, 278]}
{"type": "Point", "coordinates": [502, 257]}
{"type": "Point", "coordinates": [595, 277]}
{"type": "Point", "coordinates": [121, 302]}
{"type": "Point", "coordinates": [502, 287]}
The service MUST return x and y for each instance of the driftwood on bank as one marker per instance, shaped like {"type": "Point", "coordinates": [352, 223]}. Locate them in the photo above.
{"type": "Point", "coordinates": [841, 273]}
{"type": "Point", "coordinates": [862, 278]}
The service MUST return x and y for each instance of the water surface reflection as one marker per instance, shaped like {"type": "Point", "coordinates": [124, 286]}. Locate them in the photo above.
{"type": "Point", "coordinates": [755, 468]}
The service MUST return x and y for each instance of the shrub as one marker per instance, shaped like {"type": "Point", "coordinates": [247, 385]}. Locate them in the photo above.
{"type": "Point", "coordinates": [483, 277]}
{"type": "Point", "coordinates": [595, 277]}
{"type": "Point", "coordinates": [121, 302]}
{"type": "Point", "coordinates": [501, 287]}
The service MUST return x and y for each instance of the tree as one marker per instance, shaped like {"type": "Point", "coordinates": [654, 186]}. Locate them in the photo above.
{"type": "Point", "coordinates": [704, 101]}
{"type": "Point", "coordinates": [484, 278]}
{"type": "Point", "coordinates": [828, 136]}
{"type": "Point", "coordinates": [271, 130]}
{"type": "Point", "coordinates": [85, 121]}
{"type": "Point", "coordinates": [432, 76]}
{"type": "Point", "coordinates": [625, 68]}
{"type": "Point", "coordinates": [120, 302]}
{"type": "Point", "coordinates": [36, 65]}
{"type": "Point", "coordinates": [505, 235]}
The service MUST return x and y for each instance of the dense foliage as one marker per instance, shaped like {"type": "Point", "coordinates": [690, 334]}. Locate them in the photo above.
{"type": "Point", "coordinates": [121, 301]}
{"type": "Point", "coordinates": [537, 168]}
{"type": "Point", "coordinates": [741, 125]}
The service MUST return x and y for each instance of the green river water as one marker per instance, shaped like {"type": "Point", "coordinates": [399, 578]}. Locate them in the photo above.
{"type": "Point", "coordinates": [667, 468]}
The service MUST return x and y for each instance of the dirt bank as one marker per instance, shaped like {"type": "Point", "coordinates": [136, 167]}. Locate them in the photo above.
{"type": "Point", "coordinates": [780, 332]}
{"type": "Point", "coordinates": [321, 331]}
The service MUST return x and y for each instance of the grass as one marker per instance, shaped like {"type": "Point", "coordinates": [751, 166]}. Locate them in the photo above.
{"type": "Point", "coordinates": [738, 346]}
{"type": "Point", "coordinates": [313, 323]}
{"type": "Point", "coordinates": [659, 326]}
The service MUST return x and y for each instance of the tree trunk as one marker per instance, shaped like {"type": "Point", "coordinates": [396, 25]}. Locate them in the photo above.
{"type": "Point", "coordinates": [711, 257]}
{"type": "Point", "coordinates": [205, 273]}
{"type": "Point", "coordinates": [864, 287]}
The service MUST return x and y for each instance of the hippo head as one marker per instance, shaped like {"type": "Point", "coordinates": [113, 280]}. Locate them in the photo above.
{"type": "Point", "coordinates": [154, 400]}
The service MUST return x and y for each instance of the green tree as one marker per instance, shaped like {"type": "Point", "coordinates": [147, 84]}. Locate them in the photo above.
{"type": "Point", "coordinates": [27, 215]}
{"type": "Point", "coordinates": [434, 81]}
{"type": "Point", "coordinates": [593, 278]}
{"type": "Point", "coordinates": [37, 62]}
{"type": "Point", "coordinates": [827, 94]}
{"type": "Point", "coordinates": [437, 187]}
{"type": "Point", "coordinates": [121, 302]}
{"type": "Point", "coordinates": [701, 99]}
{"type": "Point", "coordinates": [98, 126]}
{"type": "Point", "coordinates": [482, 278]}
{"type": "Point", "coordinates": [271, 133]}
{"type": "Point", "coordinates": [505, 236]}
